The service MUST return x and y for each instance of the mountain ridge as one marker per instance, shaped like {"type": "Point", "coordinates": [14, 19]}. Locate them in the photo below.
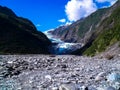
{"type": "Point", "coordinates": [109, 33]}
{"type": "Point", "coordinates": [76, 31]}
{"type": "Point", "coordinates": [105, 36]}
{"type": "Point", "coordinates": [19, 36]}
{"type": "Point", "coordinates": [89, 29]}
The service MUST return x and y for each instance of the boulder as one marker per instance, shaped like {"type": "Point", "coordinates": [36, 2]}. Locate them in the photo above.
{"type": "Point", "coordinates": [113, 77]}
{"type": "Point", "coordinates": [68, 87]}
{"type": "Point", "coordinates": [100, 76]}
{"type": "Point", "coordinates": [110, 88]}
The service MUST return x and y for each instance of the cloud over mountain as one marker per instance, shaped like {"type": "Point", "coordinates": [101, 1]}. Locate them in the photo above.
{"type": "Point", "coordinates": [76, 9]}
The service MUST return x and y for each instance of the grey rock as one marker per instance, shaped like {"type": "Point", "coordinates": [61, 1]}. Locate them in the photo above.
{"type": "Point", "coordinates": [84, 88]}
{"type": "Point", "coordinates": [92, 88]}
{"type": "Point", "coordinates": [100, 76]}
{"type": "Point", "coordinates": [48, 77]}
{"type": "Point", "coordinates": [55, 88]}
{"type": "Point", "coordinates": [68, 87]}
{"type": "Point", "coordinates": [113, 77]}
{"type": "Point", "coordinates": [110, 88]}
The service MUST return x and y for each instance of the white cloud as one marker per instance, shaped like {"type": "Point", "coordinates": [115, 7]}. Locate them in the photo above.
{"type": "Point", "coordinates": [76, 9]}
{"type": "Point", "coordinates": [110, 1]}
{"type": "Point", "coordinates": [62, 20]}
{"type": "Point", "coordinates": [38, 25]}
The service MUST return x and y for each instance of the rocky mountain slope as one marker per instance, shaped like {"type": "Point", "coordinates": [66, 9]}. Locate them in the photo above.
{"type": "Point", "coordinates": [97, 32]}
{"type": "Point", "coordinates": [107, 34]}
{"type": "Point", "coordinates": [19, 35]}
{"type": "Point", "coordinates": [76, 32]}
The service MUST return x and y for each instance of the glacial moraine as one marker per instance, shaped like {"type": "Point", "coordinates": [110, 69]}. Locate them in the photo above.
{"type": "Point", "coordinates": [46, 72]}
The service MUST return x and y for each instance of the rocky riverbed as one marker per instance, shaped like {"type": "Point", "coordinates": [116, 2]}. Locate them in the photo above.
{"type": "Point", "coordinates": [63, 72]}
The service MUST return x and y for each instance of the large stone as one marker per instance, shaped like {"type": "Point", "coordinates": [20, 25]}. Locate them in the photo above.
{"type": "Point", "coordinates": [84, 88]}
{"type": "Point", "coordinates": [110, 88]}
{"type": "Point", "coordinates": [100, 76]}
{"type": "Point", "coordinates": [55, 88]}
{"type": "Point", "coordinates": [48, 77]}
{"type": "Point", "coordinates": [68, 87]}
{"type": "Point", "coordinates": [113, 77]}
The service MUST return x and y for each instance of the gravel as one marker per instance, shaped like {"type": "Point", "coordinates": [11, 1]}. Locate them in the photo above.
{"type": "Point", "coordinates": [46, 72]}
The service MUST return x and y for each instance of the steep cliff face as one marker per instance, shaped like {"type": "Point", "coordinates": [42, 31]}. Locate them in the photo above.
{"type": "Point", "coordinates": [19, 36]}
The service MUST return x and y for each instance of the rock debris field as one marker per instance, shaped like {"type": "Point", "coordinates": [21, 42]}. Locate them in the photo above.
{"type": "Point", "coordinates": [60, 72]}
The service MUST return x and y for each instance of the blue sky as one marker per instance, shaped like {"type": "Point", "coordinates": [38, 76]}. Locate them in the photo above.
{"type": "Point", "coordinates": [49, 14]}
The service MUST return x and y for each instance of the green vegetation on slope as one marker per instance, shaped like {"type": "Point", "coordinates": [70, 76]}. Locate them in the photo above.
{"type": "Point", "coordinates": [108, 36]}
{"type": "Point", "coordinates": [91, 21]}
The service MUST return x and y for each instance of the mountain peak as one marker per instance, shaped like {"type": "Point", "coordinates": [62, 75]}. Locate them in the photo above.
{"type": "Point", "coordinates": [7, 11]}
{"type": "Point", "coordinates": [19, 36]}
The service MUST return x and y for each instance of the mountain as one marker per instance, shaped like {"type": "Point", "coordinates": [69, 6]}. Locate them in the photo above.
{"type": "Point", "coordinates": [19, 36]}
{"type": "Point", "coordinates": [106, 37]}
{"type": "Point", "coordinates": [98, 32]}
{"type": "Point", "coordinates": [107, 33]}
{"type": "Point", "coordinates": [77, 31]}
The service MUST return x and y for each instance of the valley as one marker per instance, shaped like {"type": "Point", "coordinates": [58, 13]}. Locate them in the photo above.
{"type": "Point", "coordinates": [97, 32]}
{"type": "Point", "coordinates": [82, 55]}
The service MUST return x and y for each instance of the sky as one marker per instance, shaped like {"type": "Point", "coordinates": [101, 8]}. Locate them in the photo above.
{"type": "Point", "coordinates": [50, 14]}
